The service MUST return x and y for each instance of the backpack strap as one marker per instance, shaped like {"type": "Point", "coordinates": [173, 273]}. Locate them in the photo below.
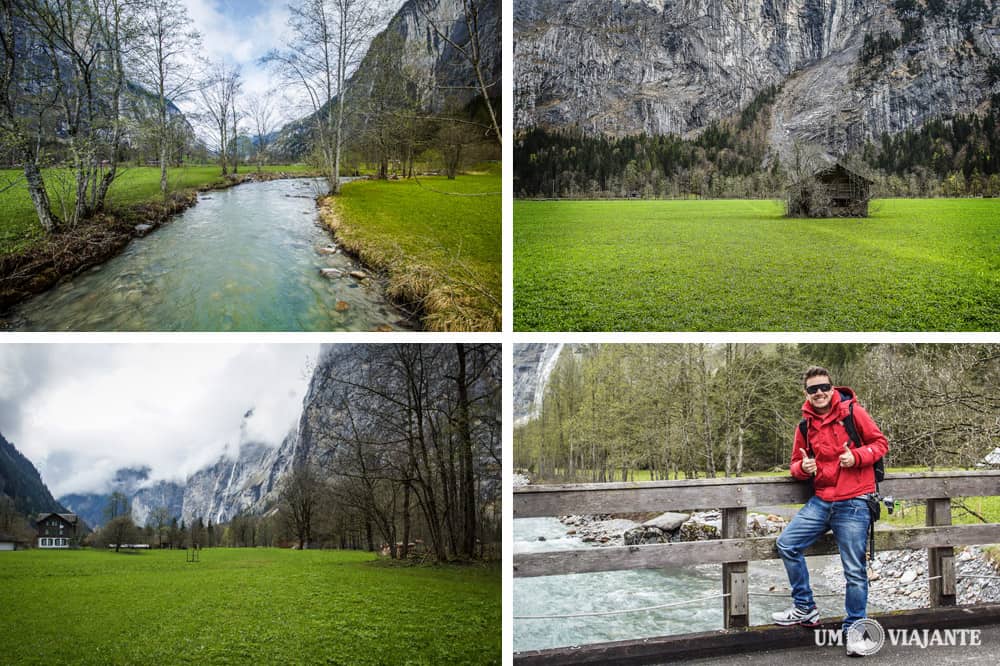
{"type": "Point", "coordinates": [804, 429]}
{"type": "Point", "coordinates": [850, 427]}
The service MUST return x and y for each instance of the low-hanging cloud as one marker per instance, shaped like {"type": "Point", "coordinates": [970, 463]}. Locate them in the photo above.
{"type": "Point", "coordinates": [80, 412]}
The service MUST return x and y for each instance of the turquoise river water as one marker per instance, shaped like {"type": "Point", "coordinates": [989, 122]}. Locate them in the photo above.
{"type": "Point", "coordinates": [243, 259]}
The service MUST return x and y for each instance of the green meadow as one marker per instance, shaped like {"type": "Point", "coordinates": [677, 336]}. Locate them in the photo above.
{"type": "Point", "coordinates": [735, 265]}
{"type": "Point", "coordinates": [261, 606]}
{"type": "Point", "coordinates": [19, 228]}
{"type": "Point", "coordinates": [439, 241]}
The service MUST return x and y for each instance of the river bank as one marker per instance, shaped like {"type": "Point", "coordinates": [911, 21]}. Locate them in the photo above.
{"type": "Point", "coordinates": [438, 250]}
{"type": "Point", "coordinates": [66, 254]}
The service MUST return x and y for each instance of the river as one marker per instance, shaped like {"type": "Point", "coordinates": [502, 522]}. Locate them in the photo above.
{"type": "Point", "coordinates": [619, 590]}
{"type": "Point", "coordinates": [243, 259]}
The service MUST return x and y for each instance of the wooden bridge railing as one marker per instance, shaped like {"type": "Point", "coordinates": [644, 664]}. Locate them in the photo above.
{"type": "Point", "coordinates": [735, 550]}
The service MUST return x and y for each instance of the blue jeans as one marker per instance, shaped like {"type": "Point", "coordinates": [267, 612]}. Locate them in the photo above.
{"type": "Point", "coordinates": [849, 520]}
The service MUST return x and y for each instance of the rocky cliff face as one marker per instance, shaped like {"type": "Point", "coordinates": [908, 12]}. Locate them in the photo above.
{"type": "Point", "coordinates": [235, 484]}
{"type": "Point", "coordinates": [672, 66]}
{"type": "Point", "coordinates": [249, 479]}
{"type": "Point", "coordinates": [427, 55]}
{"type": "Point", "coordinates": [533, 363]}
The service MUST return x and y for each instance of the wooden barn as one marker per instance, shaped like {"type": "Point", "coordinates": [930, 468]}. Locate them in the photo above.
{"type": "Point", "coordinates": [56, 530]}
{"type": "Point", "coordinates": [835, 191]}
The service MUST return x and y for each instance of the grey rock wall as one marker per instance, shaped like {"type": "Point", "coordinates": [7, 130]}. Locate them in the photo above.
{"type": "Point", "coordinates": [664, 66]}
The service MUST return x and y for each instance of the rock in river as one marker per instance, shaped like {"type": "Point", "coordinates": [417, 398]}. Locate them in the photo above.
{"type": "Point", "coordinates": [143, 229]}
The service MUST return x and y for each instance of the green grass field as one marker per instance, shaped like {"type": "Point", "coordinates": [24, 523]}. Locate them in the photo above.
{"type": "Point", "coordinates": [914, 265]}
{"type": "Point", "coordinates": [255, 606]}
{"type": "Point", "coordinates": [19, 228]}
{"type": "Point", "coordinates": [419, 234]}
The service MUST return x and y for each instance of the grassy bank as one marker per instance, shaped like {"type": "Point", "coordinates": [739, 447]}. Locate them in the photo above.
{"type": "Point", "coordinates": [914, 265]}
{"type": "Point", "coordinates": [19, 228]}
{"type": "Point", "coordinates": [261, 606]}
{"type": "Point", "coordinates": [441, 251]}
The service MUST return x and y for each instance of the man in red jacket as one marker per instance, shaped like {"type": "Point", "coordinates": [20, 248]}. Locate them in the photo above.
{"type": "Point", "coordinates": [842, 475]}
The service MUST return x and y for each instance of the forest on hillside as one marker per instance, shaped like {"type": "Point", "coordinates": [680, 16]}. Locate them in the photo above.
{"type": "Point", "coordinates": [686, 410]}
{"type": "Point", "coordinates": [952, 156]}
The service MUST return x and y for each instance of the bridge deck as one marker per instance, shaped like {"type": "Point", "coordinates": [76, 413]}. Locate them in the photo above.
{"type": "Point", "coordinates": [771, 644]}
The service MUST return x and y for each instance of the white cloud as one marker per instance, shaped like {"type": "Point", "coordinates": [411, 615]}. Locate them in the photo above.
{"type": "Point", "coordinates": [80, 412]}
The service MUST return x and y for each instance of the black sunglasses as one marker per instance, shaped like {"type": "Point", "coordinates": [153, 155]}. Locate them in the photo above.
{"type": "Point", "coordinates": [818, 387]}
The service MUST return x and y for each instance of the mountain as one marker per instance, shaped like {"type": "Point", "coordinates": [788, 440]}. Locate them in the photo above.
{"type": "Point", "coordinates": [533, 363]}
{"type": "Point", "coordinates": [846, 71]}
{"type": "Point", "coordinates": [232, 485]}
{"type": "Point", "coordinates": [134, 483]}
{"type": "Point", "coordinates": [250, 480]}
{"type": "Point", "coordinates": [20, 481]}
{"type": "Point", "coordinates": [423, 51]}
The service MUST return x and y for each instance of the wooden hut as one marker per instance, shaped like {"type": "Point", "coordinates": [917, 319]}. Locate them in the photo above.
{"type": "Point", "coordinates": [848, 190]}
{"type": "Point", "coordinates": [834, 191]}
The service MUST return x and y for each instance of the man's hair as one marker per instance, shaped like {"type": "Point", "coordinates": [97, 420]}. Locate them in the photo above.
{"type": "Point", "coordinates": [815, 371]}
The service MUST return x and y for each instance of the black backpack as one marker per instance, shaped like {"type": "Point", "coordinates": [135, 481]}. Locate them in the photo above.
{"type": "Point", "coordinates": [874, 502]}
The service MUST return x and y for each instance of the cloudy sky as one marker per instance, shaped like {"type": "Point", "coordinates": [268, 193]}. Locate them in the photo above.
{"type": "Point", "coordinates": [242, 32]}
{"type": "Point", "coordinates": [80, 412]}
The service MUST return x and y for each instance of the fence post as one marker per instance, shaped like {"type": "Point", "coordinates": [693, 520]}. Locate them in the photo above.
{"type": "Point", "coordinates": [941, 561]}
{"type": "Point", "coordinates": [736, 607]}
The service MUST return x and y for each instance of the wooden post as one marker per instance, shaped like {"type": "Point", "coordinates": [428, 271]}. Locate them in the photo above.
{"type": "Point", "coordinates": [735, 607]}
{"type": "Point", "coordinates": [941, 561]}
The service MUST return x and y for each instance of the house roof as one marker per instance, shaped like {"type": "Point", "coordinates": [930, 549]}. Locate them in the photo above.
{"type": "Point", "coordinates": [70, 518]}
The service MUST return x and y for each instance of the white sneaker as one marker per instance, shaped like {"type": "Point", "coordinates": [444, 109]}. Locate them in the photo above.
{"type": "Point", "coordinates": [795, 615]}
{"type": "Point", "coordinates": [856, 648]}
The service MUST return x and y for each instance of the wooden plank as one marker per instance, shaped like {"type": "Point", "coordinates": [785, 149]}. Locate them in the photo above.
{"type": "Point", "coordinates": [666, 649]}
{"type": "Point", "coordinates": [735, 607]}
{"type": "Point", "coordinates": [602, 498]}
{"type": "Point", "coordinates": [665, 555]}
{"type": "Point", "coordinates": [940, 561]}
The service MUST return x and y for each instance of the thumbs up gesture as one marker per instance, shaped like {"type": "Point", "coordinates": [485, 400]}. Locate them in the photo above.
{"type": "Point", "coordinates": [847, 458]}
{"type": "Point", "coordinates": [809, 465]}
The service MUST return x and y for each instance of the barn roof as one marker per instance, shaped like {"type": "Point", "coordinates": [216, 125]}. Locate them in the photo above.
{"type": "Point", "coordinates": [838, 168]}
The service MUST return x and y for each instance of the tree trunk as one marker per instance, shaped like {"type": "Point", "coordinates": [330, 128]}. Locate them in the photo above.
{"type": "Point", "coordinates": [39, 196]}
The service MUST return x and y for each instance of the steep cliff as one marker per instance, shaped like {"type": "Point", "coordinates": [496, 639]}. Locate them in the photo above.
{"type": "Point", "coordinates": [533, 363]}
{"type": "Point", "coordinates": [426, 55]}
{"type": "Point", "coordinates": [249, 479]}
{"type": "Point", "coordinates": [666, 66]}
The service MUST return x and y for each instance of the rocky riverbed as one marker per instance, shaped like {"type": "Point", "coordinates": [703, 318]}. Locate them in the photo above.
{"type": "Point", "coordinates": [897, 578]}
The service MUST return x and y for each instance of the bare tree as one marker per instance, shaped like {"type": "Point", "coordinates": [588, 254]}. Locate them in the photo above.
{"type": "Point", "coordinates": [159, 520]}
{"type": "Point", "coordinates": [119, 527]}
{"type": "Point", "coordinates": [261, 114]}
{"type": "Point", "coordinates": [300, 497]}
{"type": "Point", "coordinates": [217, 98]}
{"type": "Point", "coordinates": [162, 62]}
{"type": "Point", "coordinates": [23, 110]}
{"type": "Point", "coordinates": [470, 48]}
{"type": "Point", "coordinates": [329, 39]}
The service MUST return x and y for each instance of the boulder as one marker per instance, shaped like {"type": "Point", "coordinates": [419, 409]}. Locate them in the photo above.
{"type": "Point", "coordinates": [358, 275]}
{"type": "Point", "coordinates": [667, 522]}
{"type": "Point", "coordinates": [331, 272]}
{"type": "Point", "coordinates": [143, 229]}
{"type": "Point", "coordinates": [342, 306]}
{"type": "Point", "coordinates": [644, 534]}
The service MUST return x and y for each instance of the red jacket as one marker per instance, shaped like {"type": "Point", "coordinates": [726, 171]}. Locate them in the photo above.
{"type": "Point", "coordinates": [826, 438]}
